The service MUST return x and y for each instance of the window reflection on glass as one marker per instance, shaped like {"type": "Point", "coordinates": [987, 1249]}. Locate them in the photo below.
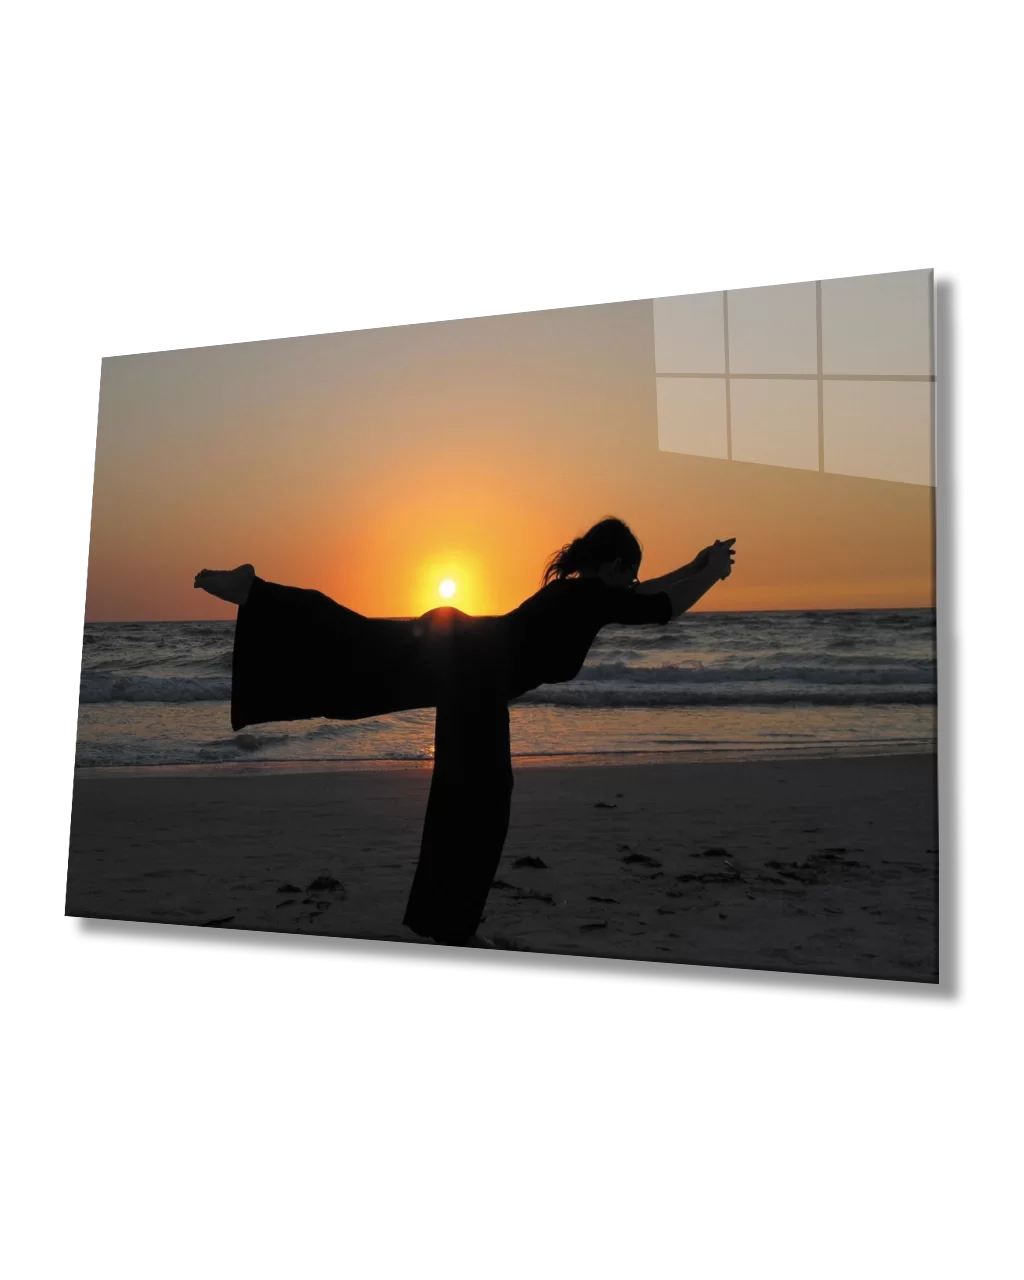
{"type": "Point", "coordinates": [831, 375]}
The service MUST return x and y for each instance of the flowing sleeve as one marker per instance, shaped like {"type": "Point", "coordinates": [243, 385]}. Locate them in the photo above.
{"type": "Point", "coordinates": [624, 604]}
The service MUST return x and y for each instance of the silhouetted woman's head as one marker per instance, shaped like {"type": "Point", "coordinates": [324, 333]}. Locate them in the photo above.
{"type": "Point", "coordinates": [608, 543]}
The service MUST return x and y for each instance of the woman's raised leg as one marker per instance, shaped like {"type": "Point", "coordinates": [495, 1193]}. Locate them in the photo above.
{"type": "Point", "coordinates": [232, 585]}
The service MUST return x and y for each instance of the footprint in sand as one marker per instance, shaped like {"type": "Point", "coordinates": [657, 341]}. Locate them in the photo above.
{"type": "Point", "coordinates": [326, 884]}
{"type": "Point", "coordinates": [642, 859]}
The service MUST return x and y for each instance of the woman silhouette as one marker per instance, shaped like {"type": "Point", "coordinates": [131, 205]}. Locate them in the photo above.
{"type": "Point", "coordinates": [298, 655]}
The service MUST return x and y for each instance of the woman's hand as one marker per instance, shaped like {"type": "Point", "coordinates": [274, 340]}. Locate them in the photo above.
{"type": "Point", "coordinates": [720, 557]}
{"type": "Point", "coordinates": [699, 561]}
{"type": "Point", "coordinates": [686, 587]}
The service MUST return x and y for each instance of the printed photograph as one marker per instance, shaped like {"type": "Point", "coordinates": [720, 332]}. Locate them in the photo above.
{"type": "Point", "coordinates": [602, 631]}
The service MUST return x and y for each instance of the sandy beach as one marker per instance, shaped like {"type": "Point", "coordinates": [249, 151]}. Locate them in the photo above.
{"type": "Point", "coordinates": [819, 866]}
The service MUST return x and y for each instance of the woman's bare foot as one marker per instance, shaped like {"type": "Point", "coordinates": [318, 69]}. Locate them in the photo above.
{"type": "Point", "coordinates": [232, 585]}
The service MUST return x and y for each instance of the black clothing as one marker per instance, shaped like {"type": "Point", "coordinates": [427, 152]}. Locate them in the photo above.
{"type": "Point", "coordinates": [551, 633]}
{"type": "Point", "coordinates": [298, 654]}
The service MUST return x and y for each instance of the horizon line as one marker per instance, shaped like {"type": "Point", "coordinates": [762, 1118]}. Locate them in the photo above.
{"type": "Point", "coordinates": [892, 608]}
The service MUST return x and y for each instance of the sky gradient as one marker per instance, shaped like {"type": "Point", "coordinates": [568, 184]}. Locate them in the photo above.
{"type": "Point", "coordinates": [371, 465]}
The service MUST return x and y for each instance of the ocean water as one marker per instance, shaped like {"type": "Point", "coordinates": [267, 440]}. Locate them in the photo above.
{"type": "Point", "coordinates": [850, 682]}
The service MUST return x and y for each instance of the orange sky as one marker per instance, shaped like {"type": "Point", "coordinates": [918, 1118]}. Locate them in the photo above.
{"type": "Point", "coordinates": [373, 464]}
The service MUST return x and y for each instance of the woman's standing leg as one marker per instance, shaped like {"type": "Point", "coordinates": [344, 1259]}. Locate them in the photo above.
{"type": "Point", "coordinates": [469, 804]}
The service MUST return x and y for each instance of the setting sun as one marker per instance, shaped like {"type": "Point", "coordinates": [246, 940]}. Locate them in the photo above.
{"type": "Point", "coordinates": [447, 588]}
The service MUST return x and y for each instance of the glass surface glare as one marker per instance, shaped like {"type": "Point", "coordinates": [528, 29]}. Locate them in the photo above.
{"type": "Point", "coordinates": [829, 375]}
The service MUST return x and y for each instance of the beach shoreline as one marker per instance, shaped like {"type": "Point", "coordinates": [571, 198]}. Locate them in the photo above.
{"type": "Point", "coordinates": [727, 686]}
{"type": "Point", "coordinates": [824, 865]}
{"type": "Point", "coordinates": [595, 760]}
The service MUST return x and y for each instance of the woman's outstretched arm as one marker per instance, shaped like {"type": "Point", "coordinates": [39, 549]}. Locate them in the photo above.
{"type": "Point", "coordinates": [687, 570]}
{"type": "Point", "coordinates": [685, 586]}
{"type": "Point", "coordinates": [662, 584]}
{"type": "Point", "coordinates": [685, 592]}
